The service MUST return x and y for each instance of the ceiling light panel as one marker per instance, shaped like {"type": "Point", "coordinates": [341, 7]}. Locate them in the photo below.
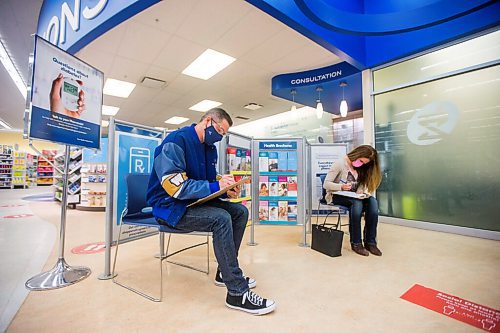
{"type": "Point", "coordinates": [176, 120]}
{"type": "Point", "coordinates": [118, 88]}
{"type": "Point", "coordinates": [208, 64]}
{"type": "Point", "coordinates": [205, 105]}
{"type": "Point", "coordinates": [109, 110]}
{"type": "Point", "coordinates": [11, 69]}
{"type": "Point", "coordinates": [4, 124]}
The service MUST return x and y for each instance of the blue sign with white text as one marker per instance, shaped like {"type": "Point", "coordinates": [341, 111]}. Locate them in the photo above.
{"type": "Point", "coordinates": [278, 145]}
{"type": "Point", "coordinates": [73, 24]}
{"type": "Point", "coordinates": [66, 98]}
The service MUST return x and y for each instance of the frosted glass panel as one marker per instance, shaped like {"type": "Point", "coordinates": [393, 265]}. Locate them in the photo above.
{"type": "Point", "coordinates": [439, 145]}
{"type": "Point", "coordinates": [473, 52]}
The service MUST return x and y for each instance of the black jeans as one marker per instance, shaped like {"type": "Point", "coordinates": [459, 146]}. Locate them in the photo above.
{"type": "Point", "coordinates": [356, 208]}
{"type": "Point", "coordinates": [227, 222]}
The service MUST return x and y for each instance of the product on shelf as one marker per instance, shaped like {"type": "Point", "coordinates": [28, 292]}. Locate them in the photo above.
{"type": "Point", "coordinates": [19, 177]}
{"type": "Point", "coordinates": [93, 193]}
{"type": "Point", "coordinates": [6, 164]}
{"type": "Point", "coordinates": [45, 171]}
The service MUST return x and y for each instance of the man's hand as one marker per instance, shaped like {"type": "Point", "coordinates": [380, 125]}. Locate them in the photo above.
{"type": "Point", "coordinates": [234, 193]}
{"type": "Point", "coordinates": [226, 180]}
{"type": "Point", "coordinates": [56, 104]}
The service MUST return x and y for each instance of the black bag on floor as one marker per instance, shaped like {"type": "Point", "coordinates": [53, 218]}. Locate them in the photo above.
{"type": "Point", "coordinates": [327, 240]}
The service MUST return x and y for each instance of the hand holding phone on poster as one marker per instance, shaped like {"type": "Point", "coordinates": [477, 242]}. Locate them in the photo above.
{"type": "Point", "coordinates": [67, 96]}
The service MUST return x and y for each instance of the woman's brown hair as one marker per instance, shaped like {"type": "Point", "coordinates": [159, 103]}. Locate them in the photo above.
{"type": "Point", "coordinates": [369, 174]}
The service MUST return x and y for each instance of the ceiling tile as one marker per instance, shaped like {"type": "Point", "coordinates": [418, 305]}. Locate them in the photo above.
{"type": "Point", "coordinates": [178, 53]}
{"type": "Point", "coordinates": [127, 70]}
{"type": "Point", "coordinates": [251, 31]}
{"type": "Point", "coordinates": [209, 20]}
{"type": "Point", "coordinates": [110, 41]}
{"type": "Point", "coordinates": [166, 15]}
{"type": "Point", "coordinates": [275, 48]}
{"type": "Point", "coordinates": [142, 43]}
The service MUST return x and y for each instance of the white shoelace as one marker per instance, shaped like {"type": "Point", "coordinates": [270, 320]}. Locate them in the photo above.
{"type": "Point", "coordinates": [253, 298]}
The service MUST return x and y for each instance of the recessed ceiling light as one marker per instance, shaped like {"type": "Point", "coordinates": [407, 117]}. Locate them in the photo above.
{"type": "Point", "coordinates": [4, 124]}
{"type": "Point", "coordinates": [118, 88]}
{"type": "Point", "coordinates": [104, 123]}
{"type": "Point", "coordinates": [253, 106]}
{"type": "Point", "coordinates": [11, 69]}
{"type": "Point", "coordinates": [176, 120]}
{"type": "Point", "coordinates": [109, 110]}
{"type": "Point", "coordinates": [205, 105]}
{"type": "Point", "coordinates": [208, 64]}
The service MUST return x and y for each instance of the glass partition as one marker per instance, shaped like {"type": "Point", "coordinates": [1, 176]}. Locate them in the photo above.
{"type": "Point", "coordinates": [439, 145]}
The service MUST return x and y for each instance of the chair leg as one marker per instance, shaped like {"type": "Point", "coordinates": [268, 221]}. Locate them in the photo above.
{"type": "Point", "coordinates": [162, 244]}
{"type": "Point", "coordinates": [167, 255]}
{"type": "Point", "coordinates": [317, 213]}
{"type": "Point", "coordinates": [138, 292]}
{"type": "Point", "coordinates": [208, 254]}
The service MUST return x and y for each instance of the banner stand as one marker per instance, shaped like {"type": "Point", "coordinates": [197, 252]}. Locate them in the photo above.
{"type": "Point", "coordinates": [61, 275]}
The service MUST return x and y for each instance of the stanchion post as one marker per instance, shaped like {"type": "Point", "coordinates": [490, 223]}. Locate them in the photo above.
{"type": "Point", "coordinates": [108, 233]}
{"type": "Point", "coordinates": [61, 275]}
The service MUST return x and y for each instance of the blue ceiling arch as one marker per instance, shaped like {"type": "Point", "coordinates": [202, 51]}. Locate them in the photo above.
{"type": "Point", "coordinates": [370, 33]}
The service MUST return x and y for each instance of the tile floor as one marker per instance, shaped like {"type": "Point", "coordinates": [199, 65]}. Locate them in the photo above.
{"type": "Point", "coordinates": [314, 293]}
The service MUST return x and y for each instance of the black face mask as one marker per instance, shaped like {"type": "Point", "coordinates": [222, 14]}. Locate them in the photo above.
{"type": "Point", "coordinates": [211, 135]}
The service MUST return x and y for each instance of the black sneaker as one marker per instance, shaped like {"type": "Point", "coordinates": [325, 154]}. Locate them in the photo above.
{"type": "Point", "coordinates": [220, 283]}
{"type": "Point", "coordinates": [250, 302]}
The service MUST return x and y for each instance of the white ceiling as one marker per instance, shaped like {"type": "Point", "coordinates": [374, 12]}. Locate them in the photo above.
{"type": "Point", "coordinates": [160, 42]}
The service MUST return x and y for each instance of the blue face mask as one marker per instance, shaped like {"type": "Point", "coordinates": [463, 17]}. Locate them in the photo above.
{"type": "Point", "coordinates": [211, 135]}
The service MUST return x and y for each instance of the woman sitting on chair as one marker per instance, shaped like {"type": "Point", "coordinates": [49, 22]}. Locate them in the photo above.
{"type": "Point", "coordinates": [358, 172]}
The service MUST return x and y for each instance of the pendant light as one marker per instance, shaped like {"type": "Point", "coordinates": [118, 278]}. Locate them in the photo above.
{"type": "Point", "coordinates": [343, 103]}
{"type": "Point", "coordinates": [319, 105]}
{"type": "Point", "coordinates": [293, 92]}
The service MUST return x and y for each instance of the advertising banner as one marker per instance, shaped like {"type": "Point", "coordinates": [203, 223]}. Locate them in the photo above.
{"type": "Point", "coordinates": [66, 98]}
{"type": "Point", "coordinates": [135, 155]}
{"type": "Point", "coordinates": [322, 158]}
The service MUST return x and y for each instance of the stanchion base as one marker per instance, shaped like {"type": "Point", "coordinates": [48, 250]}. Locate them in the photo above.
{"type": "Point", "coordinates": [106, 277]}
{"type": "Point", "coordinates": [61, 275]}
{"type": "Point", "coordinates": [304, 245]}
{"type": "Point", "coordinates": [252, 244]}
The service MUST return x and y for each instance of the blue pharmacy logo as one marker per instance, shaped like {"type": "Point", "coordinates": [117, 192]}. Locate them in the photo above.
{"type": "Point", "coordinates": [433, 122]}
{"type": "Point", "coordinates": [139, 160]}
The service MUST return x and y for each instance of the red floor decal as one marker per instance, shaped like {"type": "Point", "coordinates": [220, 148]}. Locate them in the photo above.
{"type": "Point", "coordinates": [474, 314]}
{"type": "Point", "coordinates": [18, 216]}
{"type": "Point", "coordinates": [89, 248]}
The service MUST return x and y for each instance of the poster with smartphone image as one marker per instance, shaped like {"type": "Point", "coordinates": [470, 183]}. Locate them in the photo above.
{"type": "Point", "coordinates": [66, 98]}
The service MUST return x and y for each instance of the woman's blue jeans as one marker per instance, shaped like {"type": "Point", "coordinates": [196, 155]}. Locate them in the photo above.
{"type": "Point", "coordinates": [356, 207]}
{"type": "Point", "coordinates": [227, 222]}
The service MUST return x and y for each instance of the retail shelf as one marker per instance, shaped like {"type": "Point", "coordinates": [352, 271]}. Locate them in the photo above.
{"type": "Point", "coordinates": [278, 173]}
{"type": "Point", "coordinates": [240, 173]}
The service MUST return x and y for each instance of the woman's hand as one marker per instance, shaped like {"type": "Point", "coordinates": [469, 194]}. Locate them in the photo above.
{"type": "Point", "coordinates": [346, 187]}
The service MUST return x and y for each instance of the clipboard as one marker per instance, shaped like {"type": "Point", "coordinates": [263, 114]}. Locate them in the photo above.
{"type": "Point", "coordinates": [219, 192]}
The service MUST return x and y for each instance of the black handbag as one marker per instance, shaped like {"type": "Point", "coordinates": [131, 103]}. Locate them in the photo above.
{"type": "Point", "coordinates": [327, 240]}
